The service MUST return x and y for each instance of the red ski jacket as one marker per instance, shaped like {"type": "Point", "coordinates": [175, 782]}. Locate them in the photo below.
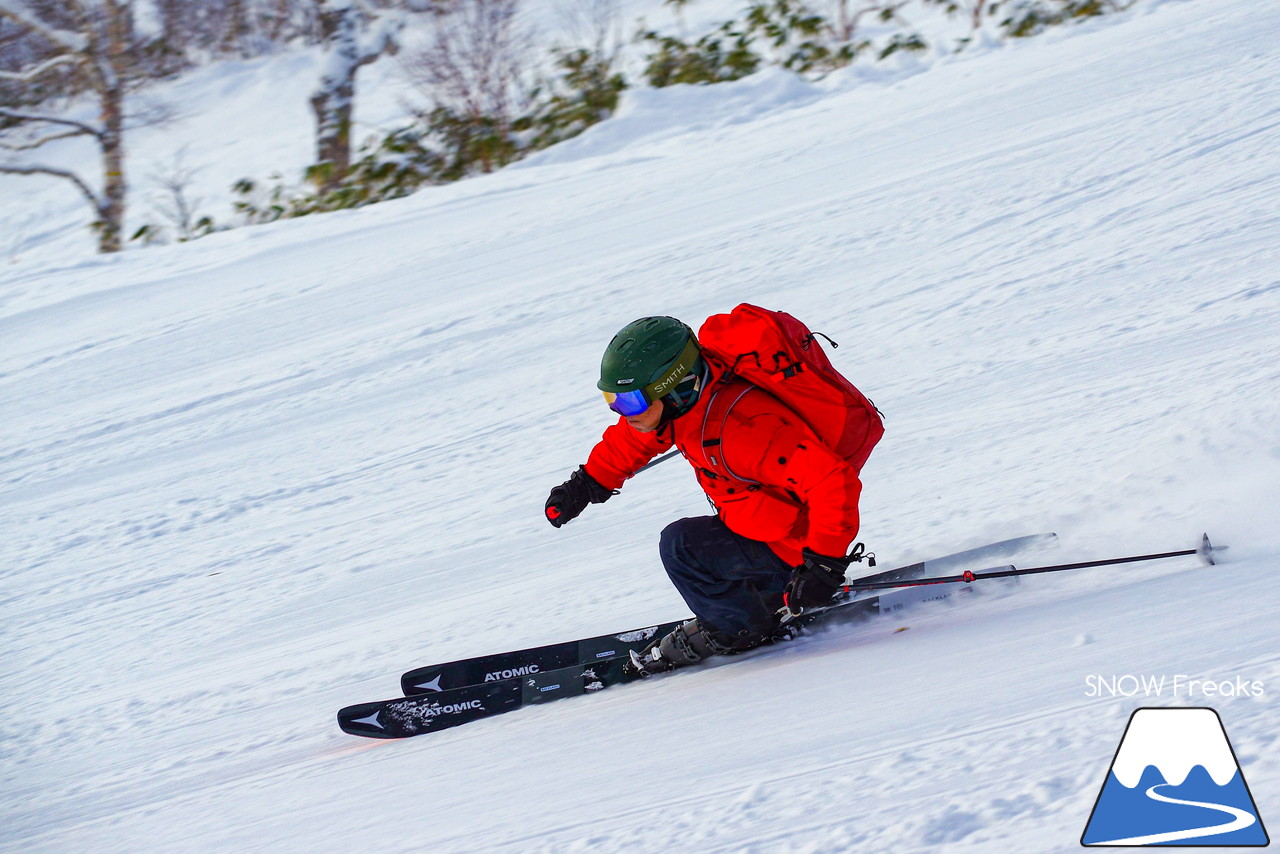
{"type": "Point", "coordinates": [769, 476]}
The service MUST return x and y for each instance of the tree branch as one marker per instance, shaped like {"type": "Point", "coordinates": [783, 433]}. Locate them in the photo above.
{"type": "Point", "coordinates": [53, 120]}
{"type": "Point", "coordinates": [28, 146]}
{"type": "Point", "coordinates": [17, 10]}
{"type": "Point", "coordinates": [97, 38]}
{"type": "Point", "coordinates": [57, 173]}
{"type": "Point", "coordinates": [380, 39]}
{"type": "Point", "coordinates": [36, 70]}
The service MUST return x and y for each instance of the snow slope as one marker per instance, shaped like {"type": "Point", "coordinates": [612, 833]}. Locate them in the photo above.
{"type": "Point", "coordinates": [248, 480]}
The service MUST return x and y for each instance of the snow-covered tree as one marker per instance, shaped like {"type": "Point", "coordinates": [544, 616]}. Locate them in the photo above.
{"type": "Point", "coordinates": [98, 46]}
{"type": "Point", "coordinates": [354, 36]}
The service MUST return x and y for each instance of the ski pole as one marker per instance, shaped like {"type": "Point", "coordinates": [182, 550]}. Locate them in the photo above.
{"type": "Point", "coordinates": [1204, 551]}
{"type": "Point", "coordinates": [660, 459]}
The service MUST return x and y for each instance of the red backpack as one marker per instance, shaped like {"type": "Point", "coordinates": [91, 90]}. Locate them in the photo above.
{"type": "Point", "coordinates": [773, 351]}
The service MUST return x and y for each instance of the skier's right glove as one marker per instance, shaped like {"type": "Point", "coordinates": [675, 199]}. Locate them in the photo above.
{"type": "Point", "coordinates": [813, 583]}
{"type": "Point", "coordinates": [571, 497]}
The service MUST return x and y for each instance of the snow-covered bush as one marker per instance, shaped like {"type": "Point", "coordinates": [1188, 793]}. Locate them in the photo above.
{"type": "Point", "coordinates": [587, 92]}
{"type": "Point", "coordinates": [493, 93]}
{"type": "Point", "coordinates": [716, 57]}
{"type": "Point", "coordinates": [1024, 18]}
{"type": "Point", "coordinates": [447, 144]}
{"type": "Point", "coordinates": [792, 34]}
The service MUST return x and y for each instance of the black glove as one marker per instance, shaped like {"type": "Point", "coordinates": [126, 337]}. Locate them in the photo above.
{"type": "Point", "coordinates": [571, 497]}
{"type": "Point", "coordinates": [813, 582]}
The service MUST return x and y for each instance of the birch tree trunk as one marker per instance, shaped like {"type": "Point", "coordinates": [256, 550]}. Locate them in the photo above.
{"type": "Point", "coordinates": [350, 46]}
{"type": "Point", "coordinates": [333, 98]}
{"type": "Point", "coordinates": [111, 140]}
{"type": "Point", "coordinates": [100, 45]}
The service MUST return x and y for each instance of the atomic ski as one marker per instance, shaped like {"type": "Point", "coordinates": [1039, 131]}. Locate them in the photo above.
{"type": "Point", "coordinates": [423, 713]}
{"type": "Point", "coordinates": [525, 662]}
{"type": "Point", "coordinates": [458, 692]}
{"type": "Point", "coordinates": [436, 710]}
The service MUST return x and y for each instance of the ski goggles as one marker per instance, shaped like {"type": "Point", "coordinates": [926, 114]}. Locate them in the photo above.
{"type": "Point", "coordinates": [676, 381]}
{"type": "Point", "coordinates": [628, 403]}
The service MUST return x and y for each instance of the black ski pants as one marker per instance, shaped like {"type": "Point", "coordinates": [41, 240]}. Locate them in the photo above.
{"type": "Point", "coordinates": [732, 584]}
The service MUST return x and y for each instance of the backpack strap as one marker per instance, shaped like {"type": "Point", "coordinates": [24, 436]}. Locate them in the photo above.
{"type": "Point", "coordinates": [714, 419]}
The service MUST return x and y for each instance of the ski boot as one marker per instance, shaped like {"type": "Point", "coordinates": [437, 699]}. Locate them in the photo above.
{"type": "Point", "coordinates": [688, 643]}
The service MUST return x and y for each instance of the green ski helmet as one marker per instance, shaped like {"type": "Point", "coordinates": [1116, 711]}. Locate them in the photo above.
{"type": "Point", "coordinates": [651, 359]}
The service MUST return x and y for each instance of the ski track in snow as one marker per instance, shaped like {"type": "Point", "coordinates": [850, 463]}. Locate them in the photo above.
{"type": "Point", "coordinates": [251, 479]}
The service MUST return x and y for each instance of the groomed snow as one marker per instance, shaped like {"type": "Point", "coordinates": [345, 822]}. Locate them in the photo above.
{"type": "Point", "coordinates": [248, 480]}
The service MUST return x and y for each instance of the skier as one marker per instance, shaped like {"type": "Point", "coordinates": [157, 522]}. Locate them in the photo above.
{"type": "Point", "coordinates": [787, 504]}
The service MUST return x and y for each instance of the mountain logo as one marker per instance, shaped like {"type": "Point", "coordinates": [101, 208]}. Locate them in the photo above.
{"type": "Point", "coordinates": [1175, 781]}
{"type": "Point", "coordinates": [372, 720]}
{"type": "Point", "coordinates": [433, 685]}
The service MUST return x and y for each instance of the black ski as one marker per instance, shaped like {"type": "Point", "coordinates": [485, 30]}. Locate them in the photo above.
{"type": "Point", "coordinates": [436, 710]}
{"type": "Point", "coordinates": [495, 667]}
{"type": "Point", "coordinates": [528, 662]}
{"type": "Point", "coordinates": [423, 713]}
{"type": "Point", "coordinates": [455, 693]}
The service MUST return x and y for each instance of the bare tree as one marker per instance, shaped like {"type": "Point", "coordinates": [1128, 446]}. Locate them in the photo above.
{"type": "Point", "coordinates": [351, 43]}
{"type": "Point", "coordinates": [192, 31]}
{"type": "Point", "coordinates": [593, 23]}
{"type": "Point", "coordinates": [175, 202]}
{"type": "Point", "coordinates": [98, 46]}
{"type": "Point", "coordinates": [846, 22]}
{"type": "Point", "coordinates": [476, 68]}
{"type": "Point", "coordinates": [975, 18]}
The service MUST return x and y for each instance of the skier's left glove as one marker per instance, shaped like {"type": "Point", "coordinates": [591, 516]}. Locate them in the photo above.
{"type": "Point", "coordinates": [813, 583]}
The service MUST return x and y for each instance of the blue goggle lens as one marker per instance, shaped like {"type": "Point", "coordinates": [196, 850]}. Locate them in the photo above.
{"type": "Point", "coordinates": [628, 403]}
